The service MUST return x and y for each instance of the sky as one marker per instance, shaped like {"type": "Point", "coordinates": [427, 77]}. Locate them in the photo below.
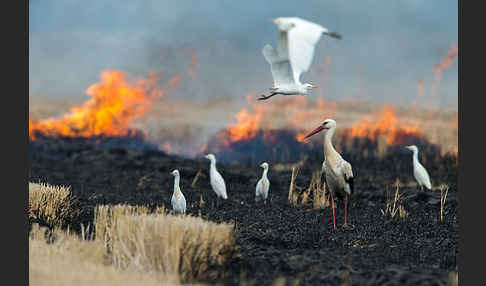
{"type": "Point", "coordinates": [387, 46]}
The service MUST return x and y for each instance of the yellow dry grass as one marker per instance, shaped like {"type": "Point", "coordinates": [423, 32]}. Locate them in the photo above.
{"type": "Point", "coordinates": [315, 193]}
{"type": "Point", "coordinates": [54, 206]}
{"type": "Point", "coordinates": [133, 246]}
{"type": "Point", "coordinates": [394, 206]}
{"type": "Point", "coordinates": [195, 249]}
{"type": "Point", "coordinates": [72, 261]}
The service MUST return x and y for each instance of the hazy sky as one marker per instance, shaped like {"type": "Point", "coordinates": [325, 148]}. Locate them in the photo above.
{"type": "Point", "coordinates": [387, 46]}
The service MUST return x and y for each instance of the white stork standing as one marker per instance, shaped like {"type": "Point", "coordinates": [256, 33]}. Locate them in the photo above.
{"type": "Point", "coordinates": [215, 178]}
{"type": "Point", "coordinates": [263, 185]}
{"type": "Point", "coordinates": [178, 200]}
{"type": "Point", "coordinates": [338, 173]}
{"type": "Point", "coordinates": [293, 54]}
{"type": "Point", "coordinates": [419, 172]}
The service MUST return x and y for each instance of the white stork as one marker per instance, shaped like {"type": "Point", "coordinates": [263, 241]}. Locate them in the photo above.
{"type": "Point", "coordinates": [338, 173]}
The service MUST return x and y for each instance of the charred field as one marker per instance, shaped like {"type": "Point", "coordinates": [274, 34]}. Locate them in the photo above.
{"type": "Point", "coordinates": [278, 240]}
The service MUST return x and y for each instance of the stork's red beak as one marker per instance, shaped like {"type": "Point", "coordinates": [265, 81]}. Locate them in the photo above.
{"type": "Point", "coordinates": [317, 130]}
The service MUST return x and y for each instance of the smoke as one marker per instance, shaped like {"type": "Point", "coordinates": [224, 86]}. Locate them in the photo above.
{"type": "Point", "coordinates": [216, 45]}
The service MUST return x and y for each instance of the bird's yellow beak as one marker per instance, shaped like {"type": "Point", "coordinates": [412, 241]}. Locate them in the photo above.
{"type": "Point", "coordinates": [313, 86]}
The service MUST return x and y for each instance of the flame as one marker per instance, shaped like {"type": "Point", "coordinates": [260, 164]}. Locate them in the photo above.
{"type": "Point", "coordinates": [385, 124]}
{"type": "Point", "coordinates": [293, 112]}
{"type": "Point", "coordinates": [247, 125]}
{"type": "Point", "coordinates": [113, 105]}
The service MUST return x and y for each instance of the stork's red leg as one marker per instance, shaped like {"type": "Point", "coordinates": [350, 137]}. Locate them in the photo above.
{"type": "Point", "coordinates": [345, 210]}
{"type": "Point", "coordinates": [333, 214]}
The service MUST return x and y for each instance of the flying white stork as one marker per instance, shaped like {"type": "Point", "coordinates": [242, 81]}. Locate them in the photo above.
{"type": "Point", "coordinates": [338, 173]}
{"type": "Point", "coordinates": [419, 172]}
{"type": "Point", "coordinates": [178, 200]}
{"type": "Point", "coordinates": [263, 185]}
{"type": "Point", "coordinates": [293, 55]}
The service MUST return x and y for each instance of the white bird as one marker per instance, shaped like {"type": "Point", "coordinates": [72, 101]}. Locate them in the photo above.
{"type": "Point", "coordinates": [293, 55]}
{"type": "Point", "coordinates": [263, 185]}
{"type": "Point", "coordinates": [178, 200]}
{"type": "Point", "coordinates": [419, 172]}
{"type": "Point", "coordinates": [215, 178]}
{"type": "Point", "coordinates": [338, 173]}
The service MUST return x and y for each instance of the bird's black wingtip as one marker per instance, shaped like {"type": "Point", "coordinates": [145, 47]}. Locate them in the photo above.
{"type": "Point", "coordinates": [335, 35]}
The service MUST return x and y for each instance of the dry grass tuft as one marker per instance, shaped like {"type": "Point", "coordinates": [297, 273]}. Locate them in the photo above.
{"type": "Point", "coordinates": [316, 192]}
{"type": "Point", "coordinates": [453, 278]}
{"type": "Point", "coordinates": [444, 189]}
{"type": "Point", "coordinates": [395, 205]}
{"type": "Point", "coordinates": [188, 246]}
{"type": "Point", "coordinates": [294, 191]}
{"type": "Point", "coordinates": [319, 191]}
{"type": "Point", "coordinates": [106, 215]}
{"type": "Point", "coordinates": [53, 206]}
{"type": "Point", "coordinates": [70, 260]}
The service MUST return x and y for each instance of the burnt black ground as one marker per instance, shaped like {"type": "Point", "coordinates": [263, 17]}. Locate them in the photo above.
{"type": "Point", "coordinates": [278, 240]}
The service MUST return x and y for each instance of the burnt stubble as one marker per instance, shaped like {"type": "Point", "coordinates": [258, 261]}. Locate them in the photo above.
{"type": "Point", "coordinates": [277, 239]}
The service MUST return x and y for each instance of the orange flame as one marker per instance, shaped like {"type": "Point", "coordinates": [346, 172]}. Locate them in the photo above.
{"type": "Point", "coordinates": [247, 124]}
{"type": "Point", "coordinates": [383, 124]}
{"type": "Point", "coordinates": [262, 116]}
{"type": "Point", "coordinates": [113, 105]}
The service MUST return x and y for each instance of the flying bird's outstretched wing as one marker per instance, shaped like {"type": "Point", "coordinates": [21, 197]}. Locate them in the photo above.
{"type": "Point", "coordinates": [301, 42]}
{"type": "Point", "coordinates": [279, 61]}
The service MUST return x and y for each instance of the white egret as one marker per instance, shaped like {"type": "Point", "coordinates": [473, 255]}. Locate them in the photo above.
{"type": "Point", "coordinates": [178, 200]}
{"type": "Point", "coordinates": [293, 55]}
{"type": "Point", "coordinates": [263, 185]}
{"type": "Point", "coordinates": [215, 178]}
{"type": "Point", "coordinates": [419, 172]}
{"type": "Point", "coordinates": [338, 173]}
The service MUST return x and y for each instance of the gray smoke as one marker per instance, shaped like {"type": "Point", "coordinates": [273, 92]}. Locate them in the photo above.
{"type": "Point", "coordinates": [386, 47]}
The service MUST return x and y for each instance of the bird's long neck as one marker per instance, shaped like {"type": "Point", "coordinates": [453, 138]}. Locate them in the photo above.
{"type": "Point", "coordinates": [329, 150]}
{"type": "Point", "coordinates": [265, 171]}
{"type": "Point", "coordinates": [415, 157]}
{"type": "Point", "coordinates": [176, 183]}
{"type": "Point", "coordinates": [213, 165]}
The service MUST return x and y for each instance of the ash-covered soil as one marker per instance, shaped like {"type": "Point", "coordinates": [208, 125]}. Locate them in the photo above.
{"type": "Point", "coordinates": [277, 239]}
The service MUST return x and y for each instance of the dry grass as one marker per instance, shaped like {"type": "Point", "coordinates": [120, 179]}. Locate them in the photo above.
{"type": "Point", "coordinates": [53, 206]}
{"type": "Point", "coordinates": [188, 246]}
{"type": "Point", "coordinates": [315, 193]}
{"type": "Point", "coordinates": [106, 215]}
{"type": "Point", "coordinates": [319, 191]}
{"type": "Point", "coordinates": [72, 261]}
{"type": "Point", "coordinates": [444, 189]}
{"type": "Point", "coordinates": [294, 191]}
{"type": "Point", "coordinates": [394, 206]}
{"type": "Point", "coordinates": [453, 278]}
{"type": "Point", "coordinates": [133, 246]}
